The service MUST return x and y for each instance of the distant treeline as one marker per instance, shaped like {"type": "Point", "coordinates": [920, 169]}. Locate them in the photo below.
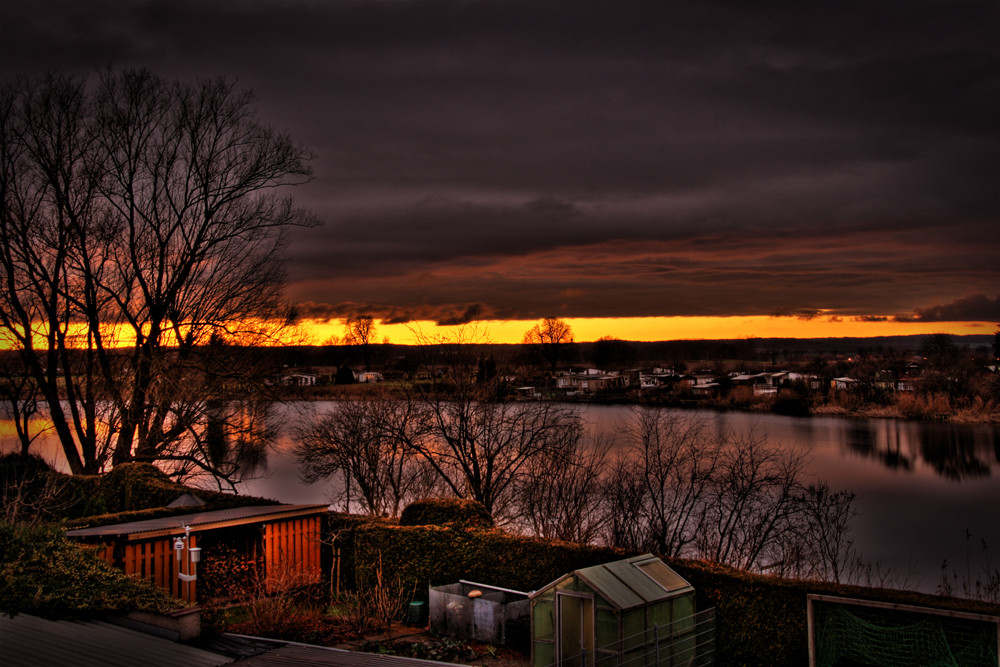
{"type": "Point", "coordinates": [624, 354]}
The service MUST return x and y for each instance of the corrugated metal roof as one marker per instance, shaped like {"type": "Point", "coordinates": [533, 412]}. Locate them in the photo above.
{"type": "Point", "coordinates": [296, 655]}
{"type": "Point", "coordinates": [28, 641]}
{"type": "Point", "coordinates": [633, 582]}
{"type": "Point", "coordinates": [299, 655]}
{"type": "Point", "coordinates": [31, 641]}
{"type": "Point", "coordinates": [174, 525]}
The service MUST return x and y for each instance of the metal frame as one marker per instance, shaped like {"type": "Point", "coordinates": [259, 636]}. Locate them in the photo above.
{"type": "Point", "coordinates": [915, 609]}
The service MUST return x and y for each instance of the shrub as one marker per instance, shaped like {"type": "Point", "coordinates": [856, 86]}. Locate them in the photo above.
{"type": "Point", "coordinates": [137, 486]}
{"type": "Point", "coordinates": [791, 404]}
{"type": "Point", "coordinates": [29, 490]}
{"type": "Point", "coordinates": [44, 573]}
{"type": "Point", "coordinates": [923, 406]}
{"type": "Point", "coordinates": [451, 512]}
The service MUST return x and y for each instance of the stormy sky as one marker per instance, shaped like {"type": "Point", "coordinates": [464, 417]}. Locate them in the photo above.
{"type": "Point", "coordinates": [514, 160]}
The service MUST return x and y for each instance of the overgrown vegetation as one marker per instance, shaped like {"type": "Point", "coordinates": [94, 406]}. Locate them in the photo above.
{"type": "Point", "coordinates": [33, 493]}
{"type": "Point", "coordinates": [45, 574]}
{"type": "Point", "coordinates": [451, 512]}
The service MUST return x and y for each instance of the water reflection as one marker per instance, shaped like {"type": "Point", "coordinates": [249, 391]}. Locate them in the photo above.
{"type": "Point", "coordinates": [953, 457]}
{"type": "Point", "coordinates": [953, 451]}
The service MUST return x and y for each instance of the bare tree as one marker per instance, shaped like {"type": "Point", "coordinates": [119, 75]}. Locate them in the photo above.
{"type": "Point", "coordinates": [360, 331]}
{"type": "Point", "coordinates": [476, 440]}
{"type": "Point", "coordinates": [825, 533]}
{"type": "Point", "coordinates": [752, 502]}
{"type": "Point", "coordinates": [359, 442]}
{"type": "Point", "coordinates": [675, 459]}
{"type": "Point", "coordinates": [550, 337]}
{"type": "Point", "coordinates": [561, 492]}
{"type": "Point", "coordinates": [19, 392]}
{"type": "Point", "coordinates": [140, 221]}
{"type": "Point", "coordinates": [681, 488]}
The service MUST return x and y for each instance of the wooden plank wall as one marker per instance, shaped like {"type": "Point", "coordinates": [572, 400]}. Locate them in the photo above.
{"type": "Point", "coordinates": [154, 561]}
{"type": "Point", "coordinates": [292, 552]}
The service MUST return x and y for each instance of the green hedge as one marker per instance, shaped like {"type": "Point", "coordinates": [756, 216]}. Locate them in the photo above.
{"type": "Point", "coordinates": [434, 555]}
{"type": "Point", "coordinates": [45, 574]}
{"type": "Point", "coordinates": [760, 620]}
{"type": "Point", "coordinates": [131, 492]}
{"type": "Point", "coordinates": [453, 512]}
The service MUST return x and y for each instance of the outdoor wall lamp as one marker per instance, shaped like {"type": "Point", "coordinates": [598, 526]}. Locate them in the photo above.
{"type": "Point", "coordinates": [182, 552]}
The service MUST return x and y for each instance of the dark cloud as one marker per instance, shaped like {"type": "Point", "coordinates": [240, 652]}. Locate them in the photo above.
{"type": "Point", "coordinates": [441, 314]}
{"type": "Point", "coordinates": [976, 308]}
{"type": "Point", "coordinates": [600, 158]}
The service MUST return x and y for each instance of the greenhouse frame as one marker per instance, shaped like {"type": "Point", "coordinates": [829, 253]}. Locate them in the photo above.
{"type": "Point", "coordinates": [636, 612]}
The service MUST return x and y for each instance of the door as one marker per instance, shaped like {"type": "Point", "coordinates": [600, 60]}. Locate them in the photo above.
{"type": "Point", "coordinates": [575, 637]}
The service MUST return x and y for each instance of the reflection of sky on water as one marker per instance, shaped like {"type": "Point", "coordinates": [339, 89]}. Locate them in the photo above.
{"type": "Point", "coordinates": [920, 486]}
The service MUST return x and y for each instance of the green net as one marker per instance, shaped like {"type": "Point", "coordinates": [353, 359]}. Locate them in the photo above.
{"type": "Point", "coordinates": [855, 636]}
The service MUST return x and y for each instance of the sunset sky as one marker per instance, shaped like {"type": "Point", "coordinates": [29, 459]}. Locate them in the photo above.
{"type": "Point", "coordinates": [647, 170]}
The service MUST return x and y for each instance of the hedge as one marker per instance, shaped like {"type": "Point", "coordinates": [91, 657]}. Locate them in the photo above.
{"type": "Point", "coordinates": [760, 620]}
{"type": "Point", "coordinates": [452, 512]}
{"type": "Point", "coordinates": [131, 492]}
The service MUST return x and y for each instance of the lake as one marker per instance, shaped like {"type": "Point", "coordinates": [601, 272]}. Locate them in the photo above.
{"type": "Point", "coordinates": [927, 492]}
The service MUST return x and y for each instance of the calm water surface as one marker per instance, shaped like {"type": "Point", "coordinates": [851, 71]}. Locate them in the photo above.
{"type": "Point", "coordinates": [927, 492]}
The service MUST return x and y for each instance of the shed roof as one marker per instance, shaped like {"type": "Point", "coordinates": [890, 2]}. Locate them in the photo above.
{"type": "Point", "coordinates": [198, 521]}
{"type": "Point", "coordinates": [633, 582]}
{"type": "Point", "coordinates": [30, 640]}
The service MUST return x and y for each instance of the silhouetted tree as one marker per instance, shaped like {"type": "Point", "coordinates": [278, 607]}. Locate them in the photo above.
{"type": "Point", "coordinates": [561, 494]}
{"type": "Point", "coordinates": [359, 442]}
{"type": "Point", "coordinates": [140, 219]}
{"type": "Point", "coordinates": [360, 332]}
{"type": "Point", "coordinates": [19, 392]}
{"type": "Point", "coordinates": [479, 444]}
{"type": "Point", "coordinates": [550, 337]}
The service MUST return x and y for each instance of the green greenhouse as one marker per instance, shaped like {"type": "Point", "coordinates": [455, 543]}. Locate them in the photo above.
{"type": "Point", "coordinates": [635, 612]}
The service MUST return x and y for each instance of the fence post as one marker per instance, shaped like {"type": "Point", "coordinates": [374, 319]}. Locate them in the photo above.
{"type": "Point", "coordinates": [656, 641]}
{"type": "Point", "coordinates": [583, 658]}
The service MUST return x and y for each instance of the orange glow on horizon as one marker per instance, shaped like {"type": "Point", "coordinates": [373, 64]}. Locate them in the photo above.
{"type": "Point", "coordinates": [641, 329]}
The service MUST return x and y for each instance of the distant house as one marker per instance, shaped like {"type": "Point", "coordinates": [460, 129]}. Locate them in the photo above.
{"type": "Point", "coordinates": [814, 382]}
{"type": "Point", "coordinates": [843, 382]}
{"type": "Point", "coordinates": [590, 381]}
{"type": "Point", "coordinates": [298, 379]}
{"type": "Point", "coordinates": [658, 378]}
{"type": "Point", "coordinates": [705, 389]}
{"type": "Point", "coordinates": [760, 383]}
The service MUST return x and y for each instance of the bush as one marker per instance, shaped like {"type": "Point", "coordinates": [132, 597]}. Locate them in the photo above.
{"type": "Point", "coordinates": [451, 512]}
{"type": "Point", "coordinates": [421, 556]}
{"type": "Point", "coordinates": [29, 490]}
{"type": "Point", "coordinates": [790, 404]}
{"type": "Point", "coordinates": [45, 574]}
{"type": "Point", "coordinates": [923, 406]}
{"type": "Point", "coordinates": [138, 486]}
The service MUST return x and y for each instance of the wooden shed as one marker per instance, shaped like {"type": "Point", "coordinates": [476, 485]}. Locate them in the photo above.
{"type": "Point", "coordinates": [636, 612]}
{"type": "Point", "coordinates": [282, 538]}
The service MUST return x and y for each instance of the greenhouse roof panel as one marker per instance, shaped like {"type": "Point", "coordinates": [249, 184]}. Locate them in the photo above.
{"type": "Point", "coordinates": [635, 581]}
